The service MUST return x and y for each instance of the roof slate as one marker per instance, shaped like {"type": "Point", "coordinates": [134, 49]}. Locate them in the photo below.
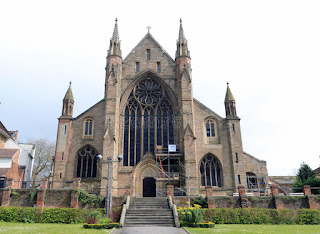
{"type": "Point", "coordinates": [8, 153]}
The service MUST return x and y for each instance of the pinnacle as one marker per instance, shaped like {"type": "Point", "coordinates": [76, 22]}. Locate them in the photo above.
{"type": "Point", "coordinates": [115, 35]}
{"type": "Point", "coordinates": [181, 32]}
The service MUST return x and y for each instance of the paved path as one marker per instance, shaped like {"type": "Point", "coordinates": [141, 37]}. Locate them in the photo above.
{"type": "Point", "coordinates": [148, 230]}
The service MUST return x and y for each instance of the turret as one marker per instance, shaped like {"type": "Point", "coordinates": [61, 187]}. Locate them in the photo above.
{"type": "Point", "coordinates": [230, 105]}
{"type": "Point", "coordinates": [68, 102]}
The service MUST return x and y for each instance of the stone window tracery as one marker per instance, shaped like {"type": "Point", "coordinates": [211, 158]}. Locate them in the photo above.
{"type": "Point", "coordinates": [211, 171]}
{"type": "Point", "coordinates": [148, 121]}
{"type": "Point", "coordinates": [87, 162]}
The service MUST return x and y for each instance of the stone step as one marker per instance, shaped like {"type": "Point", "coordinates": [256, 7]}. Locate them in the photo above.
{"type": "Point", "coordinates": [148, 219]}
{"type": "Point", "coordinates": [149, 213]}
{"type": "Point", "coordinates": [146, 225]}
{"type": "Point", "coordinates": [149, 222]}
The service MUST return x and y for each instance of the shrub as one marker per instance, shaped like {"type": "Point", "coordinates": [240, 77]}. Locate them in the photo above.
{"type": "Point", "coordinates": [192, 215]}
{"type": "Point", "coordinates": [202, 201]}
{"type": "Point", "coordinates": [46, 215]}
{"type": "Point", "coordinates": [261, 216]}
{"type": "Point", "coordinates": [94, 200]}
{"type": "Point", "coordinates": [100, 226]}
{"type": "Point", "coordinates": [94, 217]}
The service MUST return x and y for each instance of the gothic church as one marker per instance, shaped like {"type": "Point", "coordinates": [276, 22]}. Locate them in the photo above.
{"type": "Point", "coordinates": [151, 132]}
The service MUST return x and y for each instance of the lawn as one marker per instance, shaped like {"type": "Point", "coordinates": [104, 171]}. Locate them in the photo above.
{"type": "Point", "coordinates": [46, 228]}
{"type": "Point", "coordinates": [251, 228]}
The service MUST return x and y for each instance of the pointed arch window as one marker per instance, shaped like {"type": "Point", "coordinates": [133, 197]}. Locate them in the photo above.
{"type": "Point", "coordinates": [210, 128]}
{"type": "Point", "coordinates": [148, 121]}
{"type": "Point", "coordinates": [88, 127]}
{"type": "Point", "coordinates": [87, 162]}
{"type": "Point", "coordinates": [211, 171]}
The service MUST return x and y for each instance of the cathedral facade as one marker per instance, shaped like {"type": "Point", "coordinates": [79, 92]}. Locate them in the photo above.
{"type": "Point", "coordinates": [149, 132]}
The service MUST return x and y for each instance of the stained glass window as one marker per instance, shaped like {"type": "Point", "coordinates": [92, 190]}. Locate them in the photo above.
{"type": "Point", "coordinates": [210, 170]}
{"type": "Point", "coordinates": [148, 121]}
{"type": "Point", "coordinates": [87, 162]}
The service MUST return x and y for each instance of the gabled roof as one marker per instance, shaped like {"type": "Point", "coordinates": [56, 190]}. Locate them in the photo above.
{"type": "Point", "coordinates": [208, 109]}
{"type": "Point", "coordinates": [4, 131]}
{"type": "Point", "coordinates": [148, 35]}
{"type": "Point", "coordinates": [8, 153]}
{"type": "Point", "coordinates": [88, 110]}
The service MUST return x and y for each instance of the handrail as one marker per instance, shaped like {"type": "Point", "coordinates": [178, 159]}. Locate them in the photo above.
{"type": "Point", "coordinates": [174, 211]}
{"type": "Point", "coordinates": [125, 207]}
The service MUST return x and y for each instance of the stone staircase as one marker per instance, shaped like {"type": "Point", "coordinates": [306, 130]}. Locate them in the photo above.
{"type": "Point", "coordinates": [149, 211]}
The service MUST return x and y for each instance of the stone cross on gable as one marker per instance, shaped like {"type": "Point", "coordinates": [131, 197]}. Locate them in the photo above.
{"type": "Point", "coordinates": [148, 29]}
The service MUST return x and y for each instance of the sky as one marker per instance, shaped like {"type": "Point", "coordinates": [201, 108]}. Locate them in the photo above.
{"type": "Point", "coordinates": [268, 51]}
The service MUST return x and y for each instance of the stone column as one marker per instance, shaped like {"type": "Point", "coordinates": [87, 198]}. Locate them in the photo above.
{"type": "Point", "coordinates": [6, 193]}
{"type": "Point", "coordinates": [209, 191]}
{"type": "Point", "coordinates": [306, 190]}
{"type": "Point", "coordinates": [274, 190]}
{"type": "Point", "coordinates": [41, 194]}
{"type": "Point", "coordinates": [170, 190]}
{"type": "Point", "coordinates": [75, 194]}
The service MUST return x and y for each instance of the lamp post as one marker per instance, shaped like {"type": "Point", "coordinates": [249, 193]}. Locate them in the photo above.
{"type": "Point", "coordinates": [109, 162]}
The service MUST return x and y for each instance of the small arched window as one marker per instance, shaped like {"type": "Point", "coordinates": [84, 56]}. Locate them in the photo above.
{"type": "Point", "coordinates": [88, 127]}
{"type": "Point", "coordinates": [210, 128]}
{"type": "Point", "coordinates": [87, 162]}
{"type": "Point", "coordinates": [211, 171]}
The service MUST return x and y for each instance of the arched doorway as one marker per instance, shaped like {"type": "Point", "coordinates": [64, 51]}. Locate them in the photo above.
{"type": "Point", "coordinates": [149, 187]}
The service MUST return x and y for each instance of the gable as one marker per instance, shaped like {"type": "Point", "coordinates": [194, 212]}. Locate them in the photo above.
{"type": "Point", "coordinates": [157, 55]}
{"type": "Point", "coordinates": [206, 109]}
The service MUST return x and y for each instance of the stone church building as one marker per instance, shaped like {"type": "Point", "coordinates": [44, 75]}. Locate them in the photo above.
{"type": "Point", "coordinates": [150, 120]}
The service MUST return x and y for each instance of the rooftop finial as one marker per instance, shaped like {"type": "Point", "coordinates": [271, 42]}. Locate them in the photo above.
{"type": "Point", "coordinates": [148, 29]}
{"type": "Point", "coordinates": [70, 82]}
{"type": "Point", "coordinates": [180, 21]}
{"type": "Point", "coordinates": [227, 83]}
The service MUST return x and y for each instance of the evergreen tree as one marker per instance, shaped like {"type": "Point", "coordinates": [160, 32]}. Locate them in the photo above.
{"type": "Point", "coordinates": [306, 176]}
{"type": "Point", "coordinates": [305, 172]}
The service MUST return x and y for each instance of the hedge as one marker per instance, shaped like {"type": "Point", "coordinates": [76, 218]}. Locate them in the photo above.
{"type": "Point", "coordinates": [261, 216]}
{"type": "Point", "coordinates": [100, 226]}
{"type": "Point", "coordinates": [46, 215]}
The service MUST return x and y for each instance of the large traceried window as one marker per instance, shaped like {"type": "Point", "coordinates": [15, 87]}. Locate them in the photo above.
{"type": "Point", "coordinates": [148, 121]}
{"type": "Point", "coordinates": [87, 162]}
{"type": "Point", "coordinates": [210, 170]}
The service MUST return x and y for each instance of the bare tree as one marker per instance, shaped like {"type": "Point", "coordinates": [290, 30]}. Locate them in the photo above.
{"type": "Point", "coordinates": [45, 150]}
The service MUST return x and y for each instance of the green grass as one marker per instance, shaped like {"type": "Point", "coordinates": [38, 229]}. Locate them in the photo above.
{"type": "Point", "coordinates": [46, 228]}
{"type": "Point", "coordinates": [252, 228]}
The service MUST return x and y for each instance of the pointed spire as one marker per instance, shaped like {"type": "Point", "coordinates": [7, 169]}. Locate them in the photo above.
{"type": "Point", "coordinates": [69, 95]}
{"type": "Point", "coordinates": [114, 48]}
{"type": "Point", "coordinates": [115, 31]}
{"type": "Point", "coordinates": [229, 96]}
{"type": "Point", "coordinates": [230, 105]}
{"type": "Point", "coordinates": [181, 32]}
{"type": "Point", "coordinates": [182, 44]}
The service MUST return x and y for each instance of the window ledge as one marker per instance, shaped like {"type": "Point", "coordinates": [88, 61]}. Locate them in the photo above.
{"type": "Point", "coordinates": [87, 138]}
{"type": "Point", "coordinates": [126, 169]}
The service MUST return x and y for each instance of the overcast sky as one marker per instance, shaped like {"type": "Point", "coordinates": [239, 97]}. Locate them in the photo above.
{"type": "Point", "coordinates": [269, 52]}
